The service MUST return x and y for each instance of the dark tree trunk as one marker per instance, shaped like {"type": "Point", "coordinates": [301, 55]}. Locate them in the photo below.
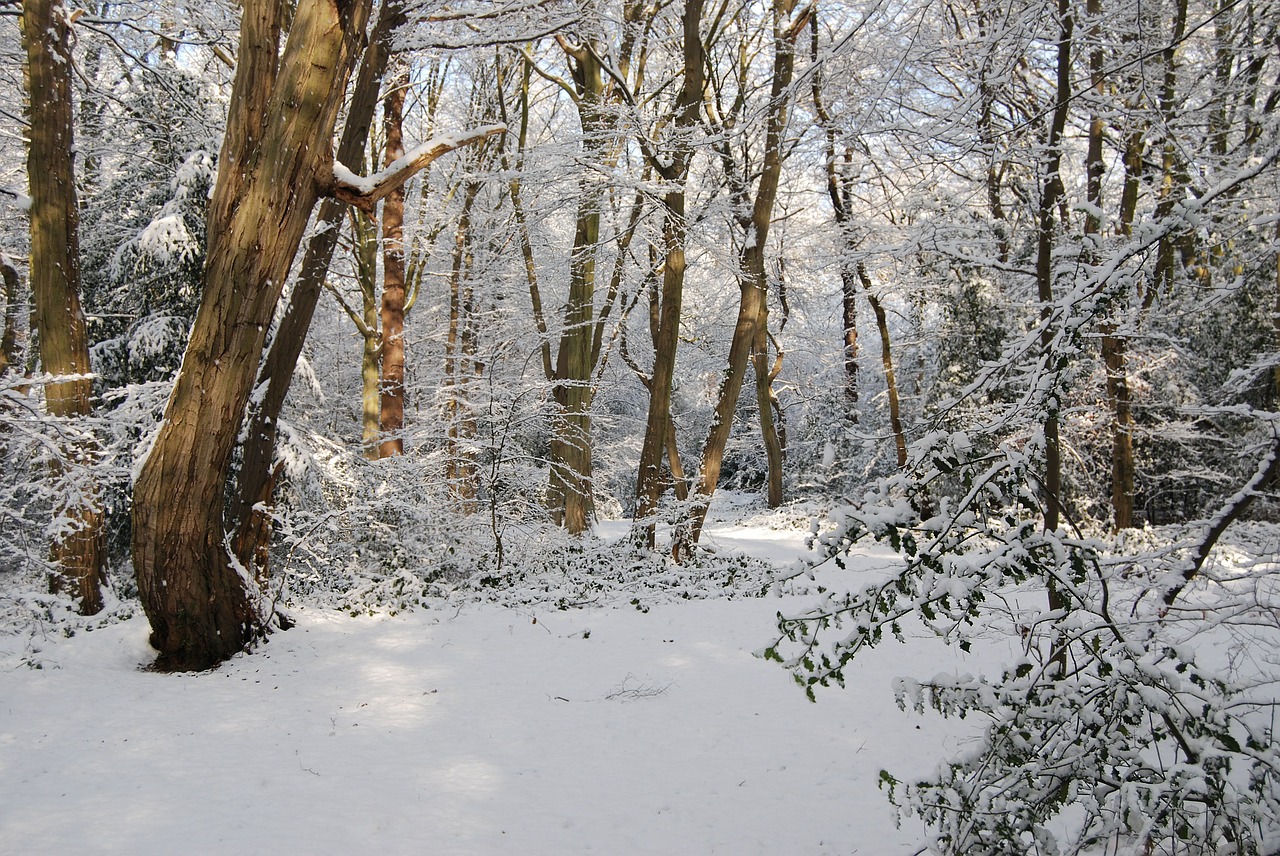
{"type": "Point", "coordinates": [9, 352]}
{"type": "Point", "coordinates": [886, 361]}
{"type": "Point", "coordinates": [1114, 346]}
{"type": "Point", "coordinates": [1051, 193]}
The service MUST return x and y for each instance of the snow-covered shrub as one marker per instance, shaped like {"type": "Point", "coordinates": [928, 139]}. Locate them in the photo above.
{"type": "Point", "coordinates": [1139, 717]}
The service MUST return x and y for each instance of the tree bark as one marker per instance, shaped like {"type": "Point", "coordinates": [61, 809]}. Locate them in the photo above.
{"type": "Point", "coordinates": [462, 474]}
{"type": "Point", "coordinates": [77, 550]}
{"type": "Point", "coordinates": [276, 160]}
{"type": "Point", "coordinates": [840, 194]}
{"type": "Point", "coordinates": [393, 280]}
{"type": "Point", "coordinates": [1169, 181]}
{"type": "Point", "coordinates": [1114, 346]}
{"type": "Point", "coordinates": [571, 488]}
{"type": "Point", "coordinates": [1275, 319]}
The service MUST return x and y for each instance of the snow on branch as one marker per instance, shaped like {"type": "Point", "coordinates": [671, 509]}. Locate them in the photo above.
{"type": "Point", "coordinates": [365, 191]}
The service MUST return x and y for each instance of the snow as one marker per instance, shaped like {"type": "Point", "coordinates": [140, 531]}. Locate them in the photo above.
{"type": "Point", "coordinates": [468, 730]}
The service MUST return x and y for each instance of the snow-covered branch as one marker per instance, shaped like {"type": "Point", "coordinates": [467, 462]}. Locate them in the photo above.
{"type": "Point", "coordinates": [365, 191]}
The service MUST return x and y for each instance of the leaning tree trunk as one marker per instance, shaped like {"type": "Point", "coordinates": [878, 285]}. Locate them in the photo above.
{"type": "Point", "coordinates": [254, 480]}
{"type": "Point", "coordinates": [276, 160]}
{"type": "Point", "coordinates": [886, 362]}
{"type": "Point", "coordinates": [753, 288]}
{"type": "Point", "coordinates": [77, 550]}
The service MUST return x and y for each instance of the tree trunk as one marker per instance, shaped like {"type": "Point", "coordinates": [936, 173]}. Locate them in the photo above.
{"type": "Point", "coordinates": [9, 353]}
{"type": "Point", "coordinates": [571, 464]}
{"type": "Point", "coordinates": [849, 322]}
{"type": "Point", "coordinates": [393, 280]}
{"type": "Point", "coordinates": [77, 550]}
{"type": "Point", "coordinates": [461, 472]}
{"type": "Point", "coordinates": [659, 432]}
{"type": "Point", "coordinates": [886, 360]}
{"type": "Point", "coordinates": [276, 159]}
{"type": "Point", "coordinates": [1114, 347]}
{"type": "Point", "coordinates": [765, 398]}
{"type": "Point", "coordinates": [1169, 181]}
{"type": "Point", "coordinates": [1051, 193]}
{"type": "Point", "coordinates": [1275, 319]}
{"type": "Point", "coordinates": [752, 305]}
{"type": "Point", "coordinates": [571, 459]}
{"type": "Point", "coordinates": [364, 245]}
{"type": "Point", "coordinates": [839, 192]}
{"type": "Point", "coordinates": [258, 451]}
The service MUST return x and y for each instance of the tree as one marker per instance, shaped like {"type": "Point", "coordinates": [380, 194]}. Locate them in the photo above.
{"type": "Point", "coordinates": [750, 332]}
{"type": "Point", "coordinates": [276, 161]}
{"type": "Point", "coordinates": [673, 166]}
{"type": "Point", "coordinates": [9, 347]}
{"type": "Point", "coordinates": [393, 274]}
{"type": "Point", "coordinates": [77, 550]}
{"type": "Point", "coordinates": [255, 479]}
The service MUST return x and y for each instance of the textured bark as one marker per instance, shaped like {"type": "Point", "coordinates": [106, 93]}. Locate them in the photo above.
{"type": "Point", "coordinates": [659, 433]}
{"type": "Point", "coordinates": [77, 551]}
{"type": "Point", "coordinates": [753, 312]}
{"type": "Point", "coordinates": [393, 279]}
{"type": "Point", "coordinates": [276, 159]}
{"type": "Point", "coordinates": [254, 481]}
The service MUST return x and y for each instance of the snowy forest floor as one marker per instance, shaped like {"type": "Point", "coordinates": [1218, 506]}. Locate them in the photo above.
{"type": "Point", "coordinates": [472, 728]}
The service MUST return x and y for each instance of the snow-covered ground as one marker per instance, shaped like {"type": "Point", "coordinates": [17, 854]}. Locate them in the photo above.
{"type": "Point", "coordinates": [469, 730]}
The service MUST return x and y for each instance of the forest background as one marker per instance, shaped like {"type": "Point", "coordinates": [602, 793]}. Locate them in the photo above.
{"type": "Point", "coordinates": [325, 303]}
